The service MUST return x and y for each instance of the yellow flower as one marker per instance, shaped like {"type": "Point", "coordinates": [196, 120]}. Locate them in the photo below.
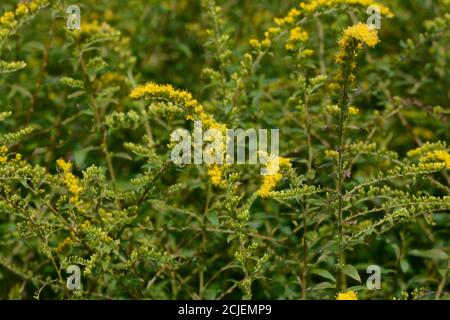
{"type": "Point", "coordinates": [296, 35]}
{"type": "Point", "coordinates": [331, 154]}
{"type": "Point", "coordinates": [289, 19]}
{"type": "Point", "coordinates": [290, 46]}
{"type": "Point", "coordinates": [273, 31]}
{"type": "Point", "coordinates": [21, 9]}
{"type": "Point", "coordinates": [272, 178]}
{"type": "Point", "coordinates": [437, 155]}
{"type": "Point", "coordinates": [3, 151]}
{"type": "Point", "coordinates": [164, 91]}
{"type": "Point", "coordinates": [94, 27]}
{"type": "Point", "coordinates": [255, 44]}
{"type": "Point", "coordinates": [215, 174]}
{"type": "Point", "coordinates": [349, 295]}
{"type": "Point", "coordinates": [313, 5]}
{"type": "Point", "coordinates": [306, 53]}
{"type": "Point", "coordinates": [294, 13]}
{"type": "Point", "coordinates": [194, 109]}
{"type": "Point", "coordinates": [353, 111]}
{"type": "Point", "coordinates": [269, 183]}
{"type": "Point", "coordinates": [361, 33]}
{"type": "Point", "coordinates": [352, 40]}
{"type": "Point", "coordinates": [181, 98]}
{"type": "Point", "coordinates": [72, 183]}
{"type": "Point", "coordinates": [65, 166]}
{"type": "Point", "coordinates": [266, 43]}
{"type": "Point", "coordinates": [279, 21]}
{"type": "Point", "coordinates": [8, 20]}
{"type": "Point", "coordinates": [64, 244]}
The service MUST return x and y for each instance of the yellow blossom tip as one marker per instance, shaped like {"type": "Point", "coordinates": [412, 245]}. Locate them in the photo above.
{"type": "Point", "coordinates": [349, 295]}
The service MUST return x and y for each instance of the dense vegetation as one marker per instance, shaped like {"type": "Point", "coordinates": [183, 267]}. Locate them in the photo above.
{"type": "Point", "coordinates": [86, 176]}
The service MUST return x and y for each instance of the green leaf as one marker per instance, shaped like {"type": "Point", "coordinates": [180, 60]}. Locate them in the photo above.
{"type": "Point", "coordinates": [324, 273]}
{"type": "Point", "coordinates": [76, 94]}
{"type": "Point", "coordinates": [79, 156]}
{"type": "Point", "coordinates": [322, 286]}
{"type": "Point", "coordinates": [404, 265]}
{"type": "Point", "coordinates": [122, 155]}
{"type": "Point", "coordinates": [435, 254]}
{"type": "Point", "coordinates": [231, 237]}
{"type": "Point", "coordinates": [213, 218]}
{"type": "Point", "coordinates": [351, 271]}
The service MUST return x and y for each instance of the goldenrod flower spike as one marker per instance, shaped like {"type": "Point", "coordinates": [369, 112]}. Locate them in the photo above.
{"type": "Point", "coordinates": [271, 180]}
{"type": "Point", "coordinates": [72, 183]}
{"type": "Point", "coordinates": [361, 33]}
{"type": "Point", "coordinates": [353, 39]}
{"type": "Point", "coordinates": [3, 157]}
{"type": "Point", "coordinates": [195, 111]}
{"type": "Point", "coordinates": [349, 295]}
{"type": "Point", "coordinates": [437, 156]}
{"type": "Point", "coordinates": [182, 98]}
{"type": "Point", "coordinates": [215, 173]}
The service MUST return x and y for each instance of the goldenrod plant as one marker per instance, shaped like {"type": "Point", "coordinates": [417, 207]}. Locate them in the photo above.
{"type": "Point", "coordinates": [354, 206]}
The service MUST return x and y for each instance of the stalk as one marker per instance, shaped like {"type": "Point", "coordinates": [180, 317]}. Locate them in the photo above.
{"type": "Point", "coordinates": [343, 105]}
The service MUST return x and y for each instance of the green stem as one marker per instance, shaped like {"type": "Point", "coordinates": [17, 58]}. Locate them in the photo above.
{"type": "Point", "coordinates": [343, 105]}
{"type": "Point", "coordinates": [100, 128]}
{"type": "Point", "coordinates": [341, 278]}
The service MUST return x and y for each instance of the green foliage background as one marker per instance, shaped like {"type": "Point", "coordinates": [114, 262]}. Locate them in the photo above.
{"type": "Point", "coordinates": [160, 231]}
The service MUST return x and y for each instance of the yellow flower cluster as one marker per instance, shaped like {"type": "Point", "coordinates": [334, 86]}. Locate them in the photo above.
{"type": "Point", "coordinates": [361, 33]}
{"type": "Point", "coordinates": [296, 36]}
{"type": "Point", "coordinates": [72, 183]}
{"type": "Point", "coordinates": [95, 29]}
{"type": "Point", "coordinates": [309, 8]}
{"type": "Point", "coordinates": [10, 19]}
{"type": "Point", "coordinates": [181, 98]}
{"type": "Point", "coordinates": [353, 111]}
{"type": "Point", "coordinates": [352, 40]}
{"type": "Point", "coordinates": [313, 5]}
{"type": "Point", "coordinates": [438, 156]}
{"type": "Point", "coordinates": [194, 109]}
{"type": "Point", "coordinates": [332, 154]}
{"type": "Point", "coordinates": [269, 183]}
{"type": "Point", "coordinates": [3, 156]}
{"type": "Point", "coordinates": [289, 19]}
{"type": "Point", "coordinates": [266, 43]}
{"type": "Point", "coordinates": [272, 178]}
{"type": "Point", "coordinates": [419, 151]}
{"type": "Point", "coordinates": [215, 173]}
{"type": "Point", "coordinates": [64, 244]}
{"type": "Point", "coordinates": [423, 133]}
{"type": "Point", "coordinates": [349, 295]}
